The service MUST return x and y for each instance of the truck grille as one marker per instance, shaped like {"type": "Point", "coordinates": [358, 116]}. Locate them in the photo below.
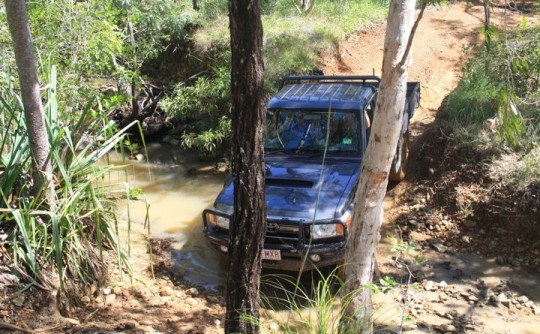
{"type": "Point", "coordinates": [279, 233]}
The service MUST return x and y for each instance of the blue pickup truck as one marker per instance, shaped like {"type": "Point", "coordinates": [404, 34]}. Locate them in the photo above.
{"type": "Point", "coordinates": [316, 133]}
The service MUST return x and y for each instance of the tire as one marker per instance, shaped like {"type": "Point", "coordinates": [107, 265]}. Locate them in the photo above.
{"type": "Point", "coordinates": [399, 164]}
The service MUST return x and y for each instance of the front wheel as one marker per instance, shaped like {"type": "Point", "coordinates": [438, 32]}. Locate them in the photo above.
{"type": "Point", "coordinates": [399, 164]}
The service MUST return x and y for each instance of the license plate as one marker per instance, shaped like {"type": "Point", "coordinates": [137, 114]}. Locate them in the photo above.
{"type": "Point", "coordinates": [271, 254]}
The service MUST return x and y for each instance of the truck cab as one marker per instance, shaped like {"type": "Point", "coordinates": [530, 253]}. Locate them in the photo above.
{"type": "Point", "coordinates": [316, 132]}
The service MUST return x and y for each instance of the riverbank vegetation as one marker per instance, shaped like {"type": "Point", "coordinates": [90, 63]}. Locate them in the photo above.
{"type": "Point", "coordinates": [494, 110]}
{"type": "Point", "coordinates": [57, 245]}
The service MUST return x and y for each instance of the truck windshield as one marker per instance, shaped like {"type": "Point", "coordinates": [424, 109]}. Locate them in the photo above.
{"type": "Point", "coordinates": [311, 130]}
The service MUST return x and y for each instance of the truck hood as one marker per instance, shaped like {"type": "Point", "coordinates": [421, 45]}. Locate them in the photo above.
{"type": "Point", "coordinates": [299, 188]}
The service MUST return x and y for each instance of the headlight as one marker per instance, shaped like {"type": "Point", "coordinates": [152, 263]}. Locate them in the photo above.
{"type": "Point", "coordinates": [326, 230]}
{"type": "Point", "coordinates": [320, 231]}
{"type": "Point", "coordinates": [218, 221]}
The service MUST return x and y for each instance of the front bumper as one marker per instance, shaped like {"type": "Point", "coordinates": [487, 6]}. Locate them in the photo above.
{"type": "Point", "coordinates": [293, 247]}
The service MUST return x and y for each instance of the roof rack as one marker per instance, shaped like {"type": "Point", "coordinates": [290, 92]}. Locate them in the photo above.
{"type": "Point", "coordinates": [329, 78]}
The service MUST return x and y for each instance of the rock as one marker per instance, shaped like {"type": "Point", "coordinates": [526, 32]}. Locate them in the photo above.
{"type": "Point", "coordinates": [107, 291]}
{"type": "Point", "coordinates": [470, 327]}
{"type": "Point", "coordinates": [440, 314]}
{"type": "Point", "coordinates": [85, 300]}
{"type": "Point", "coordinates": [409, 327]}
{"type": "Point", "coordinates": [192, 301]}
{"type": "Point", "coordinates": [443, 284]}
{"type": "Point", "coordinates": [448, 328]}
{"type": "Point", "coordinates": [500, 260]}
{"type": "Point", "coordinates": [217, 322]}
{"type": "Point", "coordinates": [472, 298]}
{"type": "Point", "coordinates": [109, 299]}
{"type": "Point", "coordinates": [522, 299]}
{"type": "Point", "coordinates": [174, 318]}
{"type": "Point", "coordinates": [430, 285]}
{"type": "Point", "coordinates": [192, 292]}
{"type": "Point", "coordinates": [469, 223]}
{"type": "Point", "coordinates": [171, 140]}
{"type": "Point", "coordinates": [515, 262]}
{"type": "Point", "coordinates": [147, 322]}
{"type": "Point", "coordinates": [274, 326]}
{"type": "Point", "coordinates": [19, 301]}
{"type": "Point", "coordinates": [212, 299]}
{"type": "Point", "coordinates": [530, 303]}
{"type": "Point", "coordinates": [413, 222]}
{"type": "Point", "coordinates": [502, 299]}
{"type": "Point", "coordinates": [439, 247]}
{"type": "Point", "coordinates": [466, 239]}
{"type": "Point", "coordinates": [536, 310]}
{"type": "Point", "coordinates": [93, 288]}
{"type": "Point", "coordinates": [443, 297]}
{"type": "Point", "coordinates": [166, 291]}
{"type": "Point", "coordinates": [117, 291]}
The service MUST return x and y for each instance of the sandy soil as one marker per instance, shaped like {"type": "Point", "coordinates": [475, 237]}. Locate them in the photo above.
{"type": "Point", "coordinates": [463, 293]}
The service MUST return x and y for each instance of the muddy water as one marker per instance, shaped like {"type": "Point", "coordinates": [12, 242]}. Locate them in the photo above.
{"type": "Point", "coordinates": [177, 187]}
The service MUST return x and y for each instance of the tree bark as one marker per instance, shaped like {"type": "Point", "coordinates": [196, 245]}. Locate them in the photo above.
{"type": "Point", "coordinates": [249, 223]}
{"type": "Point", "coordinates": [368, 214]}
{"type": "Point", "coordinates": [19, 27]}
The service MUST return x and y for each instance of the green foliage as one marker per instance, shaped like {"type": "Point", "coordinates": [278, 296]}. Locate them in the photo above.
{"type": "Point", "coordinates": [160, 25]}
{"type": "Point", "coordinates": [207, 104]}
{"type": "Point", "coordinates": [385, 285]}
{"type": "Point", "coordinates": [293, 43]}
{"type": "Point", "coordinates": [82, 39]}
{"type": "Point", "coordinates": [501, 82]}
{"type": "Point", "coordinates": [209, 140]}
{"type": "Point", "coordinates": [82, 218]}
{"type": "Point", "coordinates": [405, 250]}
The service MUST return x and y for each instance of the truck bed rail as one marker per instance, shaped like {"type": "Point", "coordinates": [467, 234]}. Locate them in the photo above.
{"type": "Point", "coordinates": [330, 78]}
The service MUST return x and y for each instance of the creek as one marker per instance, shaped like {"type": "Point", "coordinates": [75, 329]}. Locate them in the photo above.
{"type": "Point", "coordinates": [177, 186]}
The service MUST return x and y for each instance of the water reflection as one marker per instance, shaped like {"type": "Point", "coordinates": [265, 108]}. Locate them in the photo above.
{"type": "Point", "coordinates": [177, 187]}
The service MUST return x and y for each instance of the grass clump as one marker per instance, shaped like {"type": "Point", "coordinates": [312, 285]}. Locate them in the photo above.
{"type": "Point", "coordinates": [495, 108]}
{"type": "Point", "coordinates": [501, 83]}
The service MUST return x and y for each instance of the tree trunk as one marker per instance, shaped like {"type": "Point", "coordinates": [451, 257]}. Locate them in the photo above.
{"type": "Point", "coordinates": [248, 225]}
{"type": "Point", "coordinates": [133, 93]}
{"type": "Point", "coordinates": [487, 24]}
{"type": "Point", "coordinates": [33, 108]}
{"type": "Point", "coordinates": [368, 216]}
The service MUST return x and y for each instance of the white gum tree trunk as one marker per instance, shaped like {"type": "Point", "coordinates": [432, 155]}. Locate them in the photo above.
{"type": "Point", "coordinates": [368, 214]}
